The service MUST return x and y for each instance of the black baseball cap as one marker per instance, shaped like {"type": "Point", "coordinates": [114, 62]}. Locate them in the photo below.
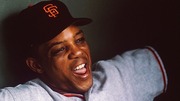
{"type": "Point", "coordinates": [43, 21]}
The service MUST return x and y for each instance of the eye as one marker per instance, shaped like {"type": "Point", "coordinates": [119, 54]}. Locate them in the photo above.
{"type": "Point", "coordinates": [80, 40]}
{"type": "Point", "coordinates": [58, 51]}
{"type": "Point", "coordinates": [61, 49]}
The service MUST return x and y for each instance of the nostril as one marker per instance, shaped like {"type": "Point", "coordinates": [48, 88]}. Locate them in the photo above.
{"type": "Point", "coordinates": [75, 54]}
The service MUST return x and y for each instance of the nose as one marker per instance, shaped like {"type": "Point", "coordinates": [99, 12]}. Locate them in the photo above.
{"type": "Point", "coordinates": [75, 52]}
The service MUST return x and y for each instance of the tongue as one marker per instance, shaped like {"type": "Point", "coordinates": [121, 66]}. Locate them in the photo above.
{"type": "Point", "coordinates": [81, 71]}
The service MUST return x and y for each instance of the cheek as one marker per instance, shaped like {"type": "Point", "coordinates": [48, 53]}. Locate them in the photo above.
{"type": "Point", "coordinates": [87, 51]}
{"type": "Point", "coordinates": [58, 69]}
{"type": "Point", "coordinates": [88, 54]}
{"type": "Point", "coordinates": [61, 65]}
{"type": "Point", "coordinates": [53, 64]}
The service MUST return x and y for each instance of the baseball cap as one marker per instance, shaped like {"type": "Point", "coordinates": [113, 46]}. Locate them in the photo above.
{"type": "Point", "coordinates": [43, 21]}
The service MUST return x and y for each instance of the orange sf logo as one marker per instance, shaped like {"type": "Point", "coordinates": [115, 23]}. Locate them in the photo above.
{"type": "Point", "coordinates": [51, 10]}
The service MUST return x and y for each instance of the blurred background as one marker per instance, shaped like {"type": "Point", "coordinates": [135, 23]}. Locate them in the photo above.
{"type": "Point", "coordinates": [118, 26]}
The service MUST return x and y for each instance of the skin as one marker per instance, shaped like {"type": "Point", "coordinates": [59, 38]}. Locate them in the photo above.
{"type": "Point", "coordinates": [58, 59]}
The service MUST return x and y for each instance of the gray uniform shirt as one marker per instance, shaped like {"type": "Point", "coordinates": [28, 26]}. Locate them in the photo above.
{"type": "Point", "coordinates": [136, 75]}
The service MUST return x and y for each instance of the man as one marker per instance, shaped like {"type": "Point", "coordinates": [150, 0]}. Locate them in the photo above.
{"type": "Point", "coordinates": [59, 54]}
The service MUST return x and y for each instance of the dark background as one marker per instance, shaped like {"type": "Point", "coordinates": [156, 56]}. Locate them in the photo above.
{"type": "Point", "coordinates": [118, 26]}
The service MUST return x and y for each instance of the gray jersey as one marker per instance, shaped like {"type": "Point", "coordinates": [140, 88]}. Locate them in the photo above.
{"type": "Point", "coordinates": [136, 75]}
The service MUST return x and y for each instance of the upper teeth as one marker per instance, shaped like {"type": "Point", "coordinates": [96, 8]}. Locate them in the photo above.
{"type": "Point", "coordinates": [79, 67]}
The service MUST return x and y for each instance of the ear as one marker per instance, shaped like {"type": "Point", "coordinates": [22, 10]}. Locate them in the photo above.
{"type": "Point", "coordinates": [33, 64]}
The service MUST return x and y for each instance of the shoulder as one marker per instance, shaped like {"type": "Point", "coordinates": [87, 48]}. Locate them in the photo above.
{"type": "Point", "coordinates": [27, 91]}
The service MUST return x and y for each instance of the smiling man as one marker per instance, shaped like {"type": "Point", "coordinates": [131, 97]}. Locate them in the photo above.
{"type": "Point", "coordinates": [65, 61]}
{"type": "Point", "coordinates": [59, 54]}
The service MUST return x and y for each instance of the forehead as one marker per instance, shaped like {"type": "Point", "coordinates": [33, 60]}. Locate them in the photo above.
{"type": "Point", "coordinates": [66, 35]}
{"type": "Point", "coordinates": [69, 32]}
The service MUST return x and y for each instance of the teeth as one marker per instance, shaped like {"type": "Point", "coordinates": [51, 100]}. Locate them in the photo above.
{"type": "Point", "coordinates": [79, 67]}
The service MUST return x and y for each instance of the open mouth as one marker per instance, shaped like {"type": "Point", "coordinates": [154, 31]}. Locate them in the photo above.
{"type": "Point", "coordinates": [80, 69]}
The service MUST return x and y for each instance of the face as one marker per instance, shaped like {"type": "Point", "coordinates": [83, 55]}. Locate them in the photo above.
{"type": "Point", "coordinates": [66, 61]}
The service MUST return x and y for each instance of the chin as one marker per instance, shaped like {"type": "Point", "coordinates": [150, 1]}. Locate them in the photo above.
{"type": "Point", "coordinates": [84, 87]}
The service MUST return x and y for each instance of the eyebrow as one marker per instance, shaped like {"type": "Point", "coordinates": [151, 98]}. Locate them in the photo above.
{"type": "Point", "coordinates": [60, 42]}
{"type": "Point", "coordinates": [79, 32]}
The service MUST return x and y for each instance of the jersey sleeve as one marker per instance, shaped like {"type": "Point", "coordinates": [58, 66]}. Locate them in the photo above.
{"type": "Point", "coordinates": [143, 72]}
{"type": "Point", "coordinates": [30, 91]}
{"type": "Point", "coordinates": [137, 75]}
{"type": "Point", "coordinates": [5, 95]}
